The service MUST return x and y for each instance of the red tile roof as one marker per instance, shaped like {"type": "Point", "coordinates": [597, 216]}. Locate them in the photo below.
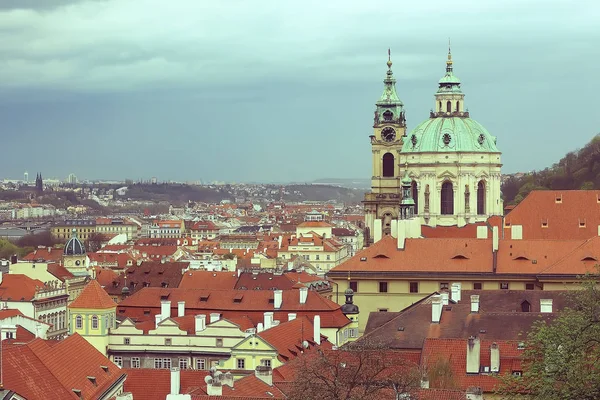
{"type": "Point", "coordinates": [315, 224]}
{"type": "Point", "coordinates": [42, 253]}
{"type": "Point", "coordinates": [148, 274]}
{"type": "Point", "coordinates": [93, 297]}
{"type": "Point", "coordinates": [59, 271]}
{"type": "Point", "coordinates": [233, 303]}
{"type": "Point", "coordinates": [155, 384]}
{"type": "Point", "coordinates": [105, 276]}
{"type": "Point", "coordinates": [37, 368]}
{"type": "Point", "coordinates": [208, 280]}
{"type": "Point", "coordinates": [563, 217]}
{"type": "Point", "coordinates": [18, 287]}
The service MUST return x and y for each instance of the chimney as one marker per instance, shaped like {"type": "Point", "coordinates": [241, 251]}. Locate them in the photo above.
{"type": "Point", "coordinates": [260, 327]}
{"type": "Point", "coordinates": [474, 393]}
{"type": "Point", "coordinates": [436, 308]}
{"type": "Point", "coordinates": [494, 358]}
{"type": "Point", "coordinates": [265, 374]}
{"type": "Point", "coordinates": [317, 330]}
{"type": "Point", "coordinates": [200, 323]}
{"type": "Point", "coordinates": [473, 355]}
{"type": "Point", "coordinates": [445, 297]}
{"type": "Point", "coordinates": [424, 382]}
{"type": "Point", "coordinates": [157, 320]}
{"type": "Point", "coordinates": [213, 386]}
{"type": "Point", "coordinates": [214, 317]}
{"type": "Point", "coordinates": [181, 308]}
{"type": "Point", "coordinates": [239, 272]}
{"type": "Point", "coordinates": [175, 383]}
{"type": "Point", "coordinates": [377, 230]}
{"type": "Point", "coordinates": [482, 232]}
{"type": "Point", "coordinates": [268, 320]}
{"type": "Point", "coordinates": [546, 305]}
{"type": "Point", "coordinates": [303, 294]}
{"type": "Point", "coordinates": [474, 303]}
{"type": "Point", "coordinates": [165, 309]}
{"type": "Point", "coordinates": [291, 316]}
{"type": "Point", "coordinates": [456, 290]}
{"type": "Point", "coordinates": [278, 299]}
{"type": "Point", "coordinates": [495, 239]}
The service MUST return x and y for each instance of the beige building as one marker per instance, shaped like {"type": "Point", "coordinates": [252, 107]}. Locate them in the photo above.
{"type": "Point", "coordinates": [64, 230]}
{"type": "Point", "coordinates": [113, 227]}
{"type": "Point", "coordinates": [321, 253]}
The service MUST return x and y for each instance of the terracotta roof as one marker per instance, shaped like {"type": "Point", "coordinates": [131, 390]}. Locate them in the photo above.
{"type": "Point", "coordinates": [232, 303]}
{"type": "Point", "coordinates": [105, 276]}
{"type": "Point", "coordinates": [208, 280]}
{"type": "Point", "coordinates": [315, 224]}
{"type": "Point", "coordinates": [59, 271]}
{"type": "Point", "coordinates": [263, 280]}
{"type": "Point", "coordinates": [37, 368]}
{"type": "Point", "coordinates": [342, 232]}
{"type": "Point", "coordinates": [148, 274]}
{"type": "Point", "coordinates": [42, 253]}
{"type": "Point", "coordinates": [204, 226]}
{"type": "Point", "coordinates": [93, 297]}
{"type": "Point", "coordinates": [564, 211]}
{"type": "Point", "coordinates": [18, 287]}
{"type": "Point", "coordinates": [467, 231]}
{"type": "Point", "coordinates": [288, 336]}
{"type": "Point", "coordinates": [155, 384]}
{"type": "Point", "coordinates": [455, 352]}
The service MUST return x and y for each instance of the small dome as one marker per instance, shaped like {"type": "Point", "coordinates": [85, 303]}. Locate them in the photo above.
{"type": "Point", "coordinates": [450, 134]}
{"type": "Point", "coordinates": [125, 290]}
{"type": "Point", "coordinates": [349, 291]}
{"type": "Point", "coordinates": [74, 246]}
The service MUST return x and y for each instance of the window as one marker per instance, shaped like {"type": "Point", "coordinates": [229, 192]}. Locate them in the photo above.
{"type": "Point", "coordinates": [265, 362]}
{"type": "Point", "coordinates": [200, 363]}
{"type": "Point", "coordinates": [241, 363]}
{"type": "Point", "coordinates": [383, 287]}
{"type": "Point", "coordinates": [481, 198]}
{"type": "Point", "coordinates": [529, 286]}
{"type": "Point", "coordinates": [447, 198]}
{"type": "Point", "coordinates": [119, 361]}
{"type": "Point", "coordinates": [167, 363]}
{"type": "Point", "coordinates": [388, 165]}
{"type": "Point", "coordinates": [517, 373]}
{"type": "Point", "coordinates": [317, 257]}
{"type": "Point", "coordinates": [126, 340]}
{"type": "Point", "coordinates": [219, 342]}
{"type": "Point", "coordinates": [78, 322]}
{"type": "Point", "coordinates": [414, 287]}
{"type": "Point", "coordinates": [158, 364]}
{"type": "Point", "coordinates": [382, 310]}
{"type": "Point", "coordinates": [354, 286]}
{"type": "Point", "coordinates": [415, 195]}
{"type": "Point", "coordinates": [444, 285]}
{"type": "Point", "coordinates": [168, 342]}
{"type": "Point", "coordinates": [477, 286]}
{"type": "Point", "coordinates": [448, 106]}
{"type": "Point", "coordinates": [353, 332]}
{"type": "Point", "coordinates": [328, 257]}
{"type": "Point", "coordinates": [135, 362]}
{"type": "Point", "coordinates": [183, 363]}
{"type": "Point", "coordinates": [457, 106]}
{"type": "Point", "coordinates": [504, 285]}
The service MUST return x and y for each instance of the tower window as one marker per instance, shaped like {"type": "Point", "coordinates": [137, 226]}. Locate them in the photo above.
{"type": "Point", "coordinates": [457, 106]}
{"type": "Point", "coordinates": [440, 106]}
{"type": "Point", "coordinates": [94, 322]}
{"type": "Point", "coordinates": [415, 196]}
{"type": "Point", "coordinates": [447, 198]}
{"type": "Point", "coordinates": [388, 115]}
{"type": "Point", "coordinates": [481, 198]}
{"type": "Point", "coordinates": [78, 322]}
{"type": "Point", "coordinates": [388, 165]}
{"type": "Point", "coordinates": [449, 106]}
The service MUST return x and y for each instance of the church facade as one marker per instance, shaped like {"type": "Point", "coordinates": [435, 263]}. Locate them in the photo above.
{"type": "Point", "coordinates": [451, 160]}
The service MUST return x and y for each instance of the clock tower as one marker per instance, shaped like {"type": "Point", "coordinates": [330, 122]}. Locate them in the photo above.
{"type": "Point", "coordinates": [382, 204]}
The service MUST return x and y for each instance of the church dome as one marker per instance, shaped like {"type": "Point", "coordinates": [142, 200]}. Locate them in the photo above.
{"type": "Point", "coordinates": [74, 246]}
{"type": "Point", "coordinates": [450, 134]}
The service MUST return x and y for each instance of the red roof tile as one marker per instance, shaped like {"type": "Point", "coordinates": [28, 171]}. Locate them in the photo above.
{"type": "Point", "coordinates": [208, 280]}
{"type": "Point", "coordinates": [18, 287]}
{"type": "Point", "coordinates": [93, 297]}
{"type": "Point", "coordinates": [155, 384]}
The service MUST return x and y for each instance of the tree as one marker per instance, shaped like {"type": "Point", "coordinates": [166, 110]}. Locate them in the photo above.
{"type": "Point", "coordinates": [94, 242]}
{"type": "Point", "coordinates": [560, 359]}
{"type": "Point", "coordinates": [360, 371]}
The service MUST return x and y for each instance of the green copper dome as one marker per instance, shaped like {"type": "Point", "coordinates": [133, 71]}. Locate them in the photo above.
{"type": "Point", "coordinates": [450, 134]}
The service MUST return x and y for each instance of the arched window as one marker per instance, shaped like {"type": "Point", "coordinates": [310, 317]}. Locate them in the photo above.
{"type": "Point", "coordinates": [415, 196]}
{"type": "Point", "coordinates": [78, 322]}
{"type": "Point", "coordinates": [457, 106]}
{"type": "Point", "coordinates": [449, 106]}
{"type": "Point", "coordinates": [481, 198]}
{"type": "Point", "coordinates": [388, 165]}
{"type": "Point", "coordinates": [94, 322]}
{"type": "Point", "coordinates": [447, 198]}
{"type": "Point", "coordinates": [440, 106]}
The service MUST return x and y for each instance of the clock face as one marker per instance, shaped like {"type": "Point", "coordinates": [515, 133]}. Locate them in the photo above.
{"type": "Point", "coordinates": [388, 134]}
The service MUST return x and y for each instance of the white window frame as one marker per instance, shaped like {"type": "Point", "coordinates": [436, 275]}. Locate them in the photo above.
{"type": "Point", "coordinates": [135, 362]}
{"type": "Point", "coordinates": [158, 363]}
{"type": "Point", "coordinates": [201, 363]}
{"type": "Point", "coordinates": [78, 322]}
{"type": "Point", "coordinates": [240, 361]}
{"type": "Point", "coordinates": [118, 360]}
{"type": "Point", "coordinates": [183, 363]}
{"type": "Point", "coordinates": [95, 322]}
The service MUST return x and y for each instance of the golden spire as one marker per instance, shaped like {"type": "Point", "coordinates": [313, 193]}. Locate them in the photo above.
{"type": "Point", "coordinates": [389, 62]}
{"type": "Point", "coordinates": [449, 62]}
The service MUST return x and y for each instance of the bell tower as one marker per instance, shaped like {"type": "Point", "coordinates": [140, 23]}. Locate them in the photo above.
{"type": "Point", "coordinates": [389, 131]}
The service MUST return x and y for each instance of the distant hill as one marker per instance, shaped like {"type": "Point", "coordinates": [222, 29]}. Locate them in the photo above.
{"type": "Point", "coordinates": [347, 183]}
{"type": "Point", "coordinates": [579, 169]}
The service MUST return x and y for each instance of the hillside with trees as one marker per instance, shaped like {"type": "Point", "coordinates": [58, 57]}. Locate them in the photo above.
{"type": "Point", "coordinates": [579, 169]}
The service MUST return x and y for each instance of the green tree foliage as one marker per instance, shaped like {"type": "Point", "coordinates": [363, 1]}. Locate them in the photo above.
{"type": "Point", "coordinates": [7, 249]}
{"type": "Point", "coordinates": [561, 358]}
{"type": "Point", "coordinates": [579, 169]}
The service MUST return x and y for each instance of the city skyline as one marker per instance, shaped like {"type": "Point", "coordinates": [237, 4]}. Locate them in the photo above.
{"type": "Point", "coordinates": [288, 93]}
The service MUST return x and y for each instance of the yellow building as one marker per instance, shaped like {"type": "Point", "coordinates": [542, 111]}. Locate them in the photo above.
{"type": "Point", "coordinates": [92, 315]}
{"type": "Point", "coordinates": [394, 273]}
{"type": "Point", "coordinates": [112, 227]}
{"type": "Point", "coordinates": [64, 230]}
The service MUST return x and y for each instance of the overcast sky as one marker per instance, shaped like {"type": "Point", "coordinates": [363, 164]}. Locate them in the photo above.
{"type": "Point", "coordinates": [241, 90]}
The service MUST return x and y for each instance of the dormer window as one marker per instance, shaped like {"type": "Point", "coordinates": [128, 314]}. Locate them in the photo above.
{"type": "Point", "coordinates": [582, 223]}
{"type": "Point", "coordinates": [558, 199]}
{"type": "Point", "coordinates": [544, 223]}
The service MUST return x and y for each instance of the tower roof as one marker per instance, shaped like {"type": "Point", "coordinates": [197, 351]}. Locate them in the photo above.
{"type": "Point", "coordinates": [93, 297]}
{"type": "Point", "coordinates": [74, 246]}
{"type": "Point", "coordinates": [449, 82]}
{"type": "Point", "coordinates": [389, 97]}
